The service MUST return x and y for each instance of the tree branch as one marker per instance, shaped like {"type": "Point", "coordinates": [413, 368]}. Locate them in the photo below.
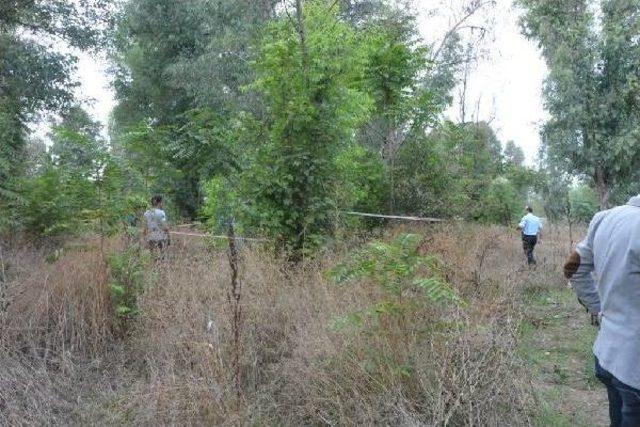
{"type": "Point", "coordinates": [458, 25]}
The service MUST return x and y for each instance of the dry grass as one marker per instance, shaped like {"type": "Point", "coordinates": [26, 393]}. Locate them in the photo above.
{"type": "Point", "coordinates": [61, 362]}
{"type": "Point", "coordinates": [60, 308]}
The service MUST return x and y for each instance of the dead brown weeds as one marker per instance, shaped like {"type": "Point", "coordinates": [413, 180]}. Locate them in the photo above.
{"type": "Point", "coordinates": [176, 367]}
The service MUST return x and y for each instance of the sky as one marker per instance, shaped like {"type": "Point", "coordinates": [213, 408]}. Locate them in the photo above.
{"type": "Point", "coordinates": [507, 81]}
{"type": "Point", "coordinates": [506, 84]}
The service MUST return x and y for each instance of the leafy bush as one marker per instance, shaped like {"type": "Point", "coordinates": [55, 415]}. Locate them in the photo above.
{"type": "Point", "coordinates": [127, 270]}
{"type": "Point", "coordinates": [584, 203]}
{"type": "Point", "coordinates": [409, 282]}
{"type": "Point", "coordinates": [427, 181]}
{"type": "Point", "coordinates": [400, 271]}
{"type": "Point", "coordinates": [500, 202]}
{"type": "Point", "coordinates": [55, 202]}
{"type": "Point", "coordinates": [362, 181]}
{"type": "Point", "coordinates": [221, 204]}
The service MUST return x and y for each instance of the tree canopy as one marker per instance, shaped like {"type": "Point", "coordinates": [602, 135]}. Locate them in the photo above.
{"type": "Point", "coordinates": [279, 116]}
{"type": "Point", "coordinates": [591, 91]}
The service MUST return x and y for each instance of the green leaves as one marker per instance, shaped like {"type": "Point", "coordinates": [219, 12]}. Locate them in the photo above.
{"type": "Point", "coordinates": [123, 311]}
{"type": "Point", "coordinates": [583, 204]}
{"type": "Point", "coordinates": [593, 62]}
{"type": "Point", "coordinates": [311, 86]}
{"type": "Point", "coordinates": [375, 312]}
{"type": "Point", "coordinates": [500, 203]}
{"type": "Point", "coordinates": [399, 270]}
{"type": "Point", "coordinates": [127, 270]}
{"type": "Point", "coordinates": [36, 78]}
{"type": "Point", "coordinates": [438, 291]}
{"type": "Point", "coordinates": [411, 286]}
{"type": "Point", "coordinates": [75, 187]}
{"type": "Point", "coordinates": [117, 290]}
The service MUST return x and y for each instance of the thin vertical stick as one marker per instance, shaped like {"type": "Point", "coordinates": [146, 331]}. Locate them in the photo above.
{"type": "Point", "coordinates": [99, 181]}
{"type": "Point", "coordinates": [234, 300]}
{"type": "Point", "coordinates": [3, 281]}
{"type": "Point", "coordinates": [570, 220]}
{"type": "Point", "coordinates": [3, 278]}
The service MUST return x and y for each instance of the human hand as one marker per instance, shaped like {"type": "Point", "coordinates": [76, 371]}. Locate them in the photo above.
{"type": "Point", "coordinates": [595, 319]}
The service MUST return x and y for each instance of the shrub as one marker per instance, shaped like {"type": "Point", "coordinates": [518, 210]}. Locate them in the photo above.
{"type": "Point", "coordinates": [499, 203]}
{"type": "Point", "coordinates": [55, 202]}
{"type": "Point", "coordinates": [127, 270]}
{"type": "Point", "coordinates": [409, 282]}
{"type": "Point", "coordinates": [584, 203]}
{"type": "Point", "coordinates": [221, 204]}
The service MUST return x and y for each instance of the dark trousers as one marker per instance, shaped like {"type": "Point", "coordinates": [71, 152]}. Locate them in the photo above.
{"type": "Point", "coordinates": [528, 244]}
{"type": "Point", "coordinates": [158, 249]}
{"type": "Point", "coordinates": [624, 401]}
{"type": "Point", "coordinates": [158, 245]}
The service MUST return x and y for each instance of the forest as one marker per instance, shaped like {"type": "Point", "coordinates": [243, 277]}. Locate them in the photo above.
{"type": "Point", "coordinates": [282, 121]}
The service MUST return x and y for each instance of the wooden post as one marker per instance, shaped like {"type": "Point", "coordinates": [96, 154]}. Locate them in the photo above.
{"type": "Point", "coordinates": [233, 297]}
{"type": "Point", "coordinates": [570, 221]}
{"type": "Point", "coordinates": [3, 281]}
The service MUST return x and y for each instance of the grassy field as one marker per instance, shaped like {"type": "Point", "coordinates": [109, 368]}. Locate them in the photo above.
{"type": "Point", "coordinates": [517, 352]}
{"type": "Point", "coordinates": [556, 343]}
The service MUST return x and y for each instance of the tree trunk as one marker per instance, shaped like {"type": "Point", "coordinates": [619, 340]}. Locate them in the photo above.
{"type": "Point", "coordinates": [391, 152]}
{"type": "Point", "coordinates": [303, 39]}
{"type": "Point", "coordinates": [602, 187]}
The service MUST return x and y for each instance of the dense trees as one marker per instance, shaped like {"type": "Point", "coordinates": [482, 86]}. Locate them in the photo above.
{"type": "Point", "coordinates": [293, 112]}
{"type": "Point", "coordinates": [277, 115]}
{"type": "Point", "coordinates": [591, 91]}
{"type": "Point", "coordinates": [34, 77]}
{"type": "Point", "coordinates": [77, 185]}
{"type": "Point", "coordinates": [453, 171]}
{"type": "Point", "coordinates": [176, 61]}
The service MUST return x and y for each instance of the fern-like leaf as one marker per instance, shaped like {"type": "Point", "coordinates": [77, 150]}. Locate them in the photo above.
{"type": "Point", "coordinates": [438, 291]}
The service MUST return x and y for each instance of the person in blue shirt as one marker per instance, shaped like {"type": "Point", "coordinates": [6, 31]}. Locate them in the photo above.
{"type": "Point", "coordinates": [531, 228]}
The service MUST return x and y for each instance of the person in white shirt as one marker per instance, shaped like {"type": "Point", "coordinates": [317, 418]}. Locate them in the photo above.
{"type": "Point", "coordinates": [531, 228]}
{"type": "Point", "coordinates": [156, 230]}
{"type": "Point", "coordinates": [604, 271]}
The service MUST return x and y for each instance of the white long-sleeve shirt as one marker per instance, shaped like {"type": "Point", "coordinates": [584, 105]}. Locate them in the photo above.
{"type": "Point", "coordinates": [608, 281]}
{"type": "Point", "coordinates": [530, 225]}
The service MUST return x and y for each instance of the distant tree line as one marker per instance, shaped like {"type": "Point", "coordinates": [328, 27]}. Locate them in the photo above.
{"type": "Point", "coordinates": [283, 115]}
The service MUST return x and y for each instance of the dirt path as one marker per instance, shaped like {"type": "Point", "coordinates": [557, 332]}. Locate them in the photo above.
{"type": "Point", "coordinates": [556, 343]}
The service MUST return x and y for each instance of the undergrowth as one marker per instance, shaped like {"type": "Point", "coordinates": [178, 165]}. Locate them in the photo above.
{"type": "Point", "coordinates": [423, 327]}
{"type": "Point", "coordinates": [127, 270]}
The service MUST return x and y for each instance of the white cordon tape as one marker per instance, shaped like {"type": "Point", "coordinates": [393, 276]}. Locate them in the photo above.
{"type": "Point", "coordinates": [252, 239]}
{"type": "Point", "coordinates": [405, 218]}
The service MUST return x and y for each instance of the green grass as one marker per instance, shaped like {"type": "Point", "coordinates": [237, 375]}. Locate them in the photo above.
{"type": "Point", "coordinates": [549, 415]}
{"type": "Point", "coordinates": [555, 343]}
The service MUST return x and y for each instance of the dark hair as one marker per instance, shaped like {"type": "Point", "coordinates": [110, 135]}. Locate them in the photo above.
{"type": "Point", "coordinates": [529, 209]}
{"type": "Point", "coordinates": [156, 200]}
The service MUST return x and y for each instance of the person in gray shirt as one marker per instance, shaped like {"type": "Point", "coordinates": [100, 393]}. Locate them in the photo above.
{"type": "Point", "coordinates": [156, 229]}
{"type": "Point", "coordinates": [604, 271]}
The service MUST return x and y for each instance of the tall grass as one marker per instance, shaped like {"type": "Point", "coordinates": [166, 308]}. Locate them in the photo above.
{"type": "Point", "coordinates": [61, 308]}
{"type": "Point", "coordinates": [60, 360]}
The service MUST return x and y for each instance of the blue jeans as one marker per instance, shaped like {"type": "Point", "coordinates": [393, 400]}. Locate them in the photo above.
{"type": "Point", "coordinates": [624, 401]}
